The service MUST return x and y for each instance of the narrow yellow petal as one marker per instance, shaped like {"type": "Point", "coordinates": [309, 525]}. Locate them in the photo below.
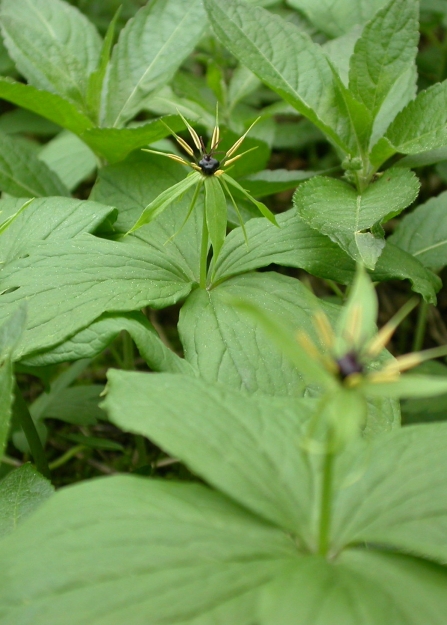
{"type": "Point", "coordinates": [192, 132]}
{"type": "Point", "coordinates": [233, 149]}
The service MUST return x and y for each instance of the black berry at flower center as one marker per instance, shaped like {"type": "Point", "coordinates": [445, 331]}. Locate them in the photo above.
{"type": "Point", "coordinates": [348, 365]}
{"type": "Point", "coordinates": [209, 165]}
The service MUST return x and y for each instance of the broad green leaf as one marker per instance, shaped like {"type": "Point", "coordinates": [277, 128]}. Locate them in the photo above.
{"type": "Point", "coordinates": [10, 333]}
{"type": "Point", "coordinates": [53, 44]}
{"type": "Point", "coordinates": [69, 158]}
{"type": "Point", "coordinates": [242, 83]}
{"type": "Point", "coordinates": [285, 59]}
{"type": "Point", "coordinates": [150, 49]}
{"type": "Point", "coordinates": [166, 102]}
{"type": "Point", "coordinates": [68, 284]}
{"type": "Point", "coordinates": [423, 232]}
{"type": "Point", "coordinates": [396, 264]}
{"type": "Point", "coordinates": [46, 219]}
{"type": "Point", "coordinates": [386, 50]}
{"type": "Point", "coordinates": [337, 18]}
{"type": "Point", "coordinates": [295, 244]}
{"type": "Point", "coordinates": [401, 93]}
{"type": "Point", "coordinates": [163, 553]}
{"type": "Point", "coordinates": [92, 340]}
{"type": "Point", "coordinates": [6, 223]}
{"type": "Point", "coordinates": [19, 120]}
{"type": "Point", "coordinates": [216, 213]}
{"type": "Point", "coordinates": [183, 415]}
{"type": "Point", "coordinates": [340, 50]}
{"type": "Point", "coordinates": [22, 491]}
{"type": "Point", "coordinates": [211, 329]}
{"type": "Point", "coordinates": [427, 409]}
{"type": "Point", "coordinates": [134, 183]}
{"type": "Point", "coordinates": [270, 181]}
{"type": "Point", "coordinates": [399, 497]}
{"type": "Point", "coordinates": [165, 199]}
{"type": "Point", "coordinates": [361, 586]}
{"type": "Point", "coordinates": [78, 405]}
{"type": "Point", "coordinates": [49, 105]}
{"type": "Point", "coordinates": [424, 158]}
{"type": "Point", "coordinates": [114, 144]}
{"type": "Point", "coordinates": [420, 127]}
{"type": "Point", "coordinates": [336, 209]}
{"type": "Point", "coordinates": [22, 174]}
{"type": "Point", "coordinates": [96, 78]}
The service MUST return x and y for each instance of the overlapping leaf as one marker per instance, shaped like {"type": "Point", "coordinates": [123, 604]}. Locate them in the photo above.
{"type": "Point", "coordinates": [423, 233]}
{"type": "Point", "coordinates": [336, 209]}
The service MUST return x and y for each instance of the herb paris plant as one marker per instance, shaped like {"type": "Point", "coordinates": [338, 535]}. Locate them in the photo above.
{"type": "Point", "coordinates": [210, 173]}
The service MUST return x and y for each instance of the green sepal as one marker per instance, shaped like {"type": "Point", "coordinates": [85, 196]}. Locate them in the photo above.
{"type": "Point", "coordinates": [162, 202]}
{"type": "Point", "coordinates": [361, 310]}
{"type": "Point", "coordinates": [216, 213]}
{"type": "Point", "coordinates": [408, 385]}
{"type": "Point", "coordinates": [12, 218]}
{"type": "Point", "coordinates": [259, 205]}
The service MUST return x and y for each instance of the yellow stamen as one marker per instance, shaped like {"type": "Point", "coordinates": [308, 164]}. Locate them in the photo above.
{"type": "Point", "coordinates": [192, 132]}
{"type": "Point", "coordinates": [219, 172]}
{"type": "Point", "coordinates": [185, 146]}
{"type": "Point", "coordinates": [353, 380]}
{"type": "Point", "coordinates": [179, 159]}
{"type": "Point", "coordinates": [408, 361]}
{"type": "Point", "coordinates": [308, 345]}
{"type": "Point", "coordinates": [380, 377]}
{"type": "Point", "coordinates": [215, 138]}
{"type": "Point", "coordinates": [324, 329]}
{"type": "Point", "coordinates": [233, 149]}
{"type": "Point", "coordinates": [235, 158]}
{"type": "Point", "coordinates": [386, 332]}
{"type": "Point", "coordinates": [354, 324]}
{"type": "Point", "coordinates": [173, 157]}
{"type": "Point", "coordinates": [196, 167]}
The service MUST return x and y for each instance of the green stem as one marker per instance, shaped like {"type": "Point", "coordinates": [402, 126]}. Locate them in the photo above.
{"type": "Point", "coordinates": [420, 326]}
{"type": "Point", "coordinates": [204, 252]}
{"type": "Point", "coordinates": [337, 290]}
{"type": "Point", "coordinates": [326, 498]}
{"type": "Point", "coordinates": [29, 429]}
{"type": "Point", "coordinates": [140, 443]}
{"type": "Point", "coordinates": [68, 455]}
{"type": "Point", "coordinates": [128, 352]}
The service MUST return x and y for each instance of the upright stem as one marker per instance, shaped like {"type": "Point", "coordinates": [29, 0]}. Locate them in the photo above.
{"type": "Point", "coordinates": [420, 326]}
{"type": "Point", "coordinates": [128, 352]}
{"type": "Point", "coordinates": [29, 429]}
{"type": "Point", "coordinates": [326, 498]}
{"type": "Point", "coordinates": [204, 252]}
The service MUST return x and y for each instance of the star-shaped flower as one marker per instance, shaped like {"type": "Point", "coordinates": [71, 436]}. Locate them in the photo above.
{"type": "Point", "coordinates": [210, 174]}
